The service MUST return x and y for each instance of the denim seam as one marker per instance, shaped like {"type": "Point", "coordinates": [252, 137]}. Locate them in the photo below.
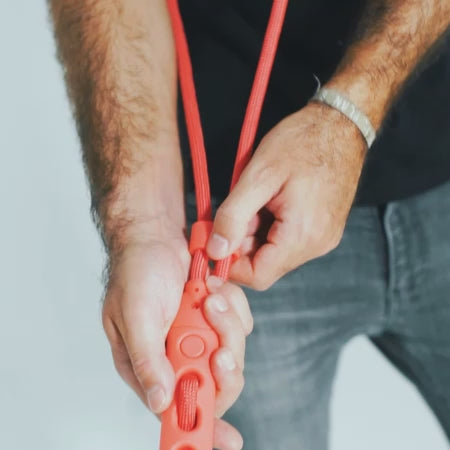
{"type": "Point", "coordinates": [391, 273]}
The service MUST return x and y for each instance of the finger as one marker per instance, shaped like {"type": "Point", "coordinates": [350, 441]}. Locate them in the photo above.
{"type": "Point", "coordinates": [260, 270]}
{"type": "Point", "coordinates": [226, 437]}
{"type": "Point", "coordinates": [249, 246]}
{"type": "Point", "coordinates": [270, 261]}
{"type": "Point", "coordinates": [125, 369]}
{"type": "Point", "coordinates": [257, 232]}
{"type": "Point", "coordinates": [241, 271]}
{"type": "Point", "coordinates": [229, 379]}
{"type": "Point", "coordinates": [253, 225]}
{"type": "Point", "coordinates": [145, 342]}
{"type": "Point", "coordinates": [121, 359]}
{"type": "Point", "coordinates": [256, 186]}
{"type": "Point", "coordinates": [236, 298]}
{"type": "Point", "coordinates": [227, 324]}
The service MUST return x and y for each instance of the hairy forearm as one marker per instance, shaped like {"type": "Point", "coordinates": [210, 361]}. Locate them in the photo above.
{"type": "Point", "coordinates": [393, 37]}
{"type": "Point", "coordinates": [120, 73]}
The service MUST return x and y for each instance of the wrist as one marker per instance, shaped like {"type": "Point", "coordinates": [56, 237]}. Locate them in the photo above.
{"type": "Point", "coordinates": [140, 232]}
{"type": "Point", "coordinates": [342, 128]}
{"type": "Point", "coordinates": [146, 204]}
{"type": "Point", "coordinates": [334, 99]}
{"type": "Point", "coordinates": [371, 98]}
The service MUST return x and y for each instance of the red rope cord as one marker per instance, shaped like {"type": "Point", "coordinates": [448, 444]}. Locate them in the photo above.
{"type": "Point", "coordinates": [259, 88]}
{"type": "Point", "coordinates": [192, 115]}
{"type": "Point", "coordinates": [255, 104]}
{"type": "Point", "coordinates": [199, 265]}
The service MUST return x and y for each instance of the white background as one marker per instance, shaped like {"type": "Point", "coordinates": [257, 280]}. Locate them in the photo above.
{"type": "Point", "coordinates": [58, 388]}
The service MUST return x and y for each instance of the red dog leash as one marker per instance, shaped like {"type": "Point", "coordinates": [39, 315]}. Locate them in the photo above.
{"type": "Point", "coordinates": [188, 422]}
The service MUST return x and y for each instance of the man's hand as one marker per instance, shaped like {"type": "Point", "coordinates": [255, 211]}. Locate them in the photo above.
{"type": "Point", "coordinates": [292, 200]}
{"type": "Point", "coordinates": [120, 70]}
{"type": "Point", "coordinates": [142, 299]}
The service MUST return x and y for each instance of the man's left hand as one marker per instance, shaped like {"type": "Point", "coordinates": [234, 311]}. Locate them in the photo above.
{"type": "Point", "coordinates": [291, 202]}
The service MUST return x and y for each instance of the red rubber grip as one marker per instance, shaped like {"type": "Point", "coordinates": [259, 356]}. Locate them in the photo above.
{"type": "Point", "coordinates": [190, 343]}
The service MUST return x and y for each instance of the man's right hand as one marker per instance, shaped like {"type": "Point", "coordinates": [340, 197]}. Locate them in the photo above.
{"type": "Point", "coordinates": [142, 299]}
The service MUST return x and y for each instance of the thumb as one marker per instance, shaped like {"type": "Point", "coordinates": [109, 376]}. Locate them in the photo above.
{"type": "Point", "coordinates": [256, 186]}
{"type": "Point", "coordinates": [145, 343]}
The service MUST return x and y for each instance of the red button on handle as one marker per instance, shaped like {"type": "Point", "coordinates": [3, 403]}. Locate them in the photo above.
{"type": "Point", "coordinates": [192, 346]}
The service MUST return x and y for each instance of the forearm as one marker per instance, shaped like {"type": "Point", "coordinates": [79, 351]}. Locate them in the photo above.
{"type": "Point", "coordinates": [393, 38]}
{"type": "Point", "coordinates": [120, 72]}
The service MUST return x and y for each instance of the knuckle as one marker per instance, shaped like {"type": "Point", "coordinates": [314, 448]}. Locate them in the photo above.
{"type": "Point", "coordinates": [105, 310]}
{"type": "Point", "coordinates": [234, 291]}
{"type": "Point", "coordinates": [321, 250]}
{"type": "Point", "coordinates": [121, 359]}
{"type": "Point", "coordinates": [240, 384]}
{"type": "Point", "coordinates": [230, 394]}
{"type": "Point", "coordinates": [330, 243]}
{"type": "Point", "coordinates": [318, 241]}
{"type": "Point", "coordinates": [265, 171]}
{"type": "Point", "coordinates": [106, 321]}
{"type": "Point", "coordinates": [238, 296]}
{"type": "Point", "coordinates": [226, 213]}
{"type": "Point", "coordinates": [262, 283]}
{"type": "Point", "coordinates": [110, 330]}
{"type": "Point", "coordinates": [142, 368]}
{"type": "Point", "coordinates": [249, 325]}
{"type": "Point", "coordinates": [285, 268]}
{"type": "Point", "coordinates": [338, 237]}
{"type": "Point", "coordinates": [235, 385]}
{"type": "Point", "coordinates": [334, 243]}
{"type": "Point", "coordinates": [120, 363]}
{"type": "Point", "coordinates": [228, 322]}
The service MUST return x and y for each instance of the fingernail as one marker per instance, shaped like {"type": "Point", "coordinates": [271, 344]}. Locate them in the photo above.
{"type": "Point", "coordinates": [156, 398]}
{"type": "Point", "coordinates": [226, 360]}
{"type": "Point", "coordinates": [217, 246]}
{"type": "Point", "coordinates": [213, 283]}
{"type": "Point", "coordinates": [217, 303]}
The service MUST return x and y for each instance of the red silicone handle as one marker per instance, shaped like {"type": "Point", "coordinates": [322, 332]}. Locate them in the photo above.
{"type": "Point", "coordinates": [188, 423]}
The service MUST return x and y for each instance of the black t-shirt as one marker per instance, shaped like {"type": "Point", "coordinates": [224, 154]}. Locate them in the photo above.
{"type": "Point", "coordinates": [411, 154]}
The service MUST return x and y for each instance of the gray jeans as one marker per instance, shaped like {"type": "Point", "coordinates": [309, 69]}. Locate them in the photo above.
{"type": "Point", "coordinates": [389, 279]}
